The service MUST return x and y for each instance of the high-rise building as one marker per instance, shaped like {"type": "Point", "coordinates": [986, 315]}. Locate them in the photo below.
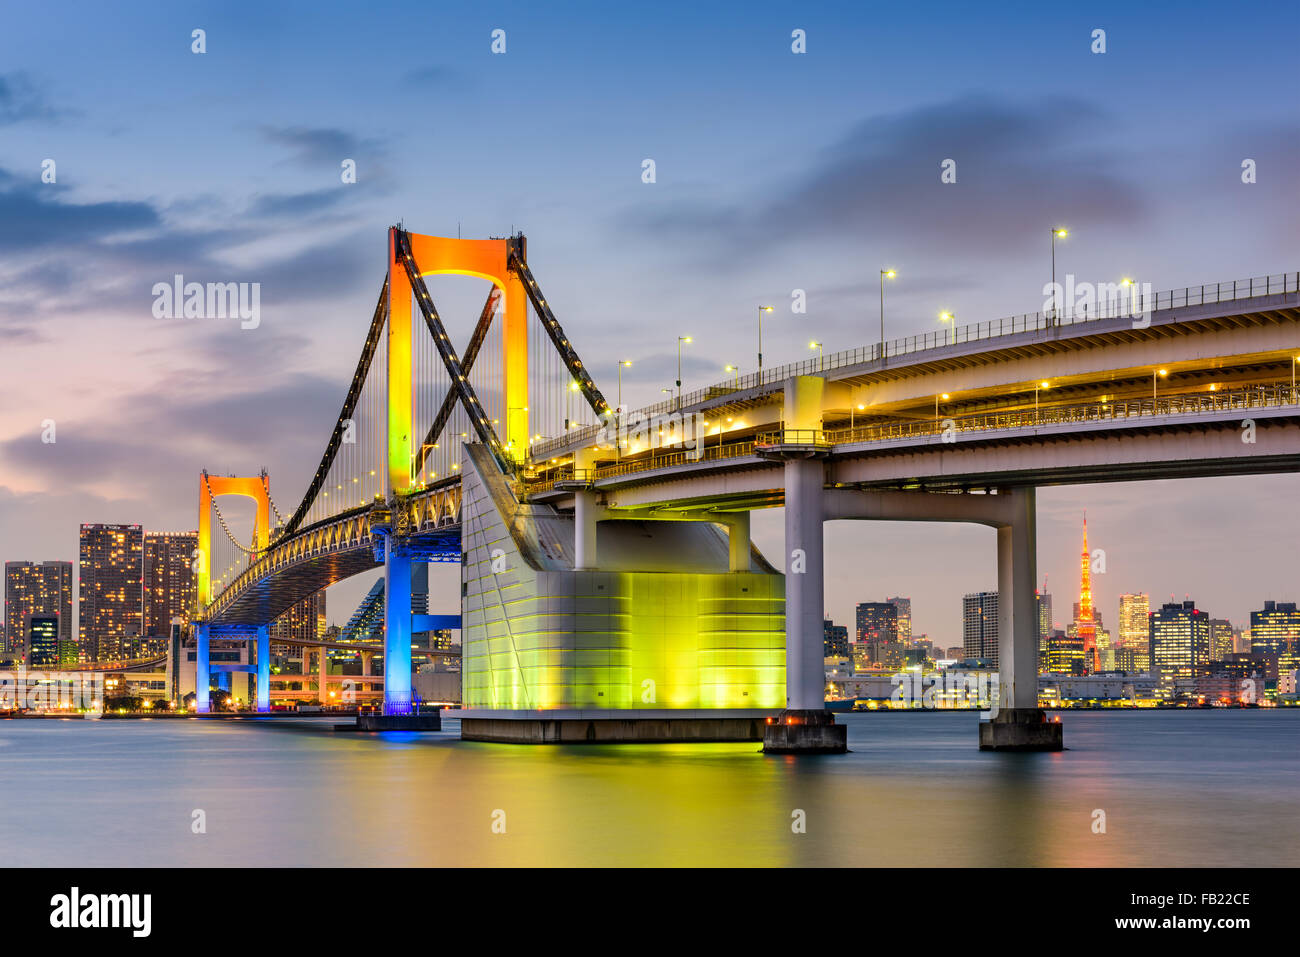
{"type": "Point", "coordinates": [1084, 620]}
{"type": "Point", "coordinates": [1065, 652]}
{"type": "Point", "coordinates": [1044, 603]}
{"type": "Point", "coordinates": [1134, 628]}
{"type": "Point", "coordinates": [1180, 643]}
{"type": "Point", "coordinates": [1220, 639]}
{"type": "Point", "coordinates": [169, 584]}
{"type": "Point", "coordinates": [35, 589]}
{"type": "Point", "coordinates": [1237, 678]}
{"type": "Point", "coordinates": [1105, 649]}
{"type": "Point", "coordinates": [304, 621]}
{"type": "Point", "coordinates": [877, 632]}
{"type": "Point", "coordinates": [111, 590]}
{"type": "Point", "coordinates": [904, 608]}
{"type": "Point", "coordinates": [1275, 630]}
{"type": "Point", "coordinates": [43, 641]}
{"type": "Point", "coordinates": [979, 625]}
{"type": "Point", "coordinates": [835, 640]}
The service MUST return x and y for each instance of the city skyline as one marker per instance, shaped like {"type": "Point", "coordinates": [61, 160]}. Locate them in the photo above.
{"type": "Point", "coordinates": [929, 616]}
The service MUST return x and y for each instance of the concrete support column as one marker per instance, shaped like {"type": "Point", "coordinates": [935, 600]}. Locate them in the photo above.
{"type": "Point", "coordinates": [264, 668]}
{"type": "Point", "coordinates": [397, 629]}
{"type": "Point", "coordinates": [805, 675]}
{"type": "Point", "coordinates": [738, 542]}
{"type": "Point", "coordinates": [202, 676]}
{"type": "Point", "coordinates": [1017, 606]}
{"type": "Point", "coordinates": [322, 675]}
{"type": "Point", "coordinates": [584, 530]}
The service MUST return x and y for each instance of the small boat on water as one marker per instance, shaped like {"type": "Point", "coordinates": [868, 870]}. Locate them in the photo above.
{"type": "Point", "coordinates": [840, 704]}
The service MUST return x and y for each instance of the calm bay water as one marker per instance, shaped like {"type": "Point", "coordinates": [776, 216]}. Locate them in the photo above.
{"type": "Point", "coordinates": [1178, 788]}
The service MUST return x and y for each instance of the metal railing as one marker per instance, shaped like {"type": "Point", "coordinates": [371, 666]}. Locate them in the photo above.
{"type": "Point", "coordinates": [1278, 394]}
{"type": "Point", "coordinates": [815, 438]}
{"type": "Point", "coordinates": [1223, 400]}
{"type": "Point", "coordinates": [660, 459]}
{"type": "Point", "coordinates": [1206, 294]}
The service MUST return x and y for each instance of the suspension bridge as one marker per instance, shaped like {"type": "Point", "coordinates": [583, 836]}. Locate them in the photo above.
{"type": "Point", "coordinates": [609, 586]}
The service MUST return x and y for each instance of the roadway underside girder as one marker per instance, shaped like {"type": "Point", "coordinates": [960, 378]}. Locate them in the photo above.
{"type": "Point", "coordinates": [266, 600]}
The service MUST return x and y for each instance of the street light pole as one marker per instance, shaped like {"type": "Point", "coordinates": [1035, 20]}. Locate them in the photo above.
{"type": "Point", "coordinates": [821, 352]}
{"type": "Point", "coordinates": [1155, 374]}
{"type": "Point", "coordinates": [619, 428]}
{"type": "Point", "coordinates": [1128, 283]}
{"type": "Point", "coordinates": [884, 274]}
{"type": "Point", "coordinates": [761, 310]}
{"type": "Point", "coordinates": [946, 317]}
{"type": "Point", "coordinates": [1061, 232]}
{"type": "Point", "coordinates": [680, 340]}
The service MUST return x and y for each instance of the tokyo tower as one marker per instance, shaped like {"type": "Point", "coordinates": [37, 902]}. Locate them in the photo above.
{"type": "Point", "coordinates": [1086, 624]}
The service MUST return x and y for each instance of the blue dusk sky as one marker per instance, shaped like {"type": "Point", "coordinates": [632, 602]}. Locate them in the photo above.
{"type": "Point", "coordinates": [775, 171]}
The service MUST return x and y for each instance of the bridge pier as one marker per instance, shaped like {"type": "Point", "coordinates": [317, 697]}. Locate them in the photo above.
{"type": "Point", "coordinates": [397, 628]}
{"type": "Point", "coordinates": [804, 586]}
{"type": "Point", "coordinates": [264, 668]}
{"type": "Point", "coordinates": [202, 674]}
{"type": "Point", "coordinates": [1018, 724]}
{"type": "Point", "coordinates": [805, 726]}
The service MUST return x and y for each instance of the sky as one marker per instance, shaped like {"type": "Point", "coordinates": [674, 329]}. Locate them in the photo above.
{"type": "Point", "coordinates": [774, 171]}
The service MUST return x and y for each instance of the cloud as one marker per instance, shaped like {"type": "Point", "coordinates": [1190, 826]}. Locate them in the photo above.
{"type": "Point", "coordinates": [1020, 166]}
{"type": "Point", "coordinates": [20, 100]}
{"type": "Point", "coordinates": [298, 204]}
{"type": "Point", "coordinates": [32, 215]}
{"type": "Point", "coordinates": [118, 250]}
{"type": "Point", "coordinates": [20, 335]}
{"type": "Point", "coordinates": [319, 146]}
{"type": "Point", "coordinates": [436, 76]}
{"type": "Point", "coordinates": [110, 453]}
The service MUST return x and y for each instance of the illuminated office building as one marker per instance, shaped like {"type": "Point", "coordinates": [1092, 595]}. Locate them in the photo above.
{"type": "Point", "coordinates": [877, 634]}
{"type": "Point", "coordinates": [835, 640]}
{"type": "Point", "coordinates": [1180, 644]}
{"type": "Point", "coordinates": [1065, 652]}
{"type": "Point", "coordinates": [1105, 649]}
{"type": "Point", "coordinates": [169, 588]}
{"type": "Point", "coordinates": [110, 591]}
{"type": "Point", "coordinates": [1134, 631]}
{"type": "Point", "coordinates": [1043, 603]}
{"type": "Point", "coordinates": [1134, 628]}
{"type": "Point", "coordinates": [32, 588]}
{"type": "Point", "coordinates": [1275, 631]}
{"type": "Point", "coordinates": [304, 621]}
{"type": "Point", "coordinates": [979, 626]}
{"type": "Point", "coordinates": [1236, 679]}
{"type": "Point", "coordinates": [43, 642]}
{"type": "Point", "coordinates": [1221, 643]}
{"type": "Point", "coordinates": [903, 607]}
